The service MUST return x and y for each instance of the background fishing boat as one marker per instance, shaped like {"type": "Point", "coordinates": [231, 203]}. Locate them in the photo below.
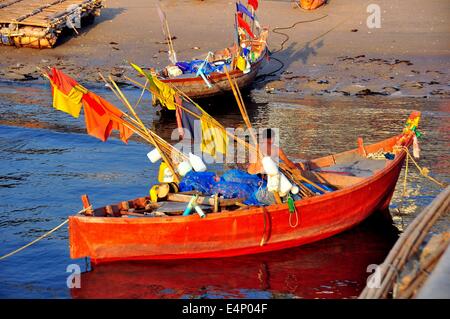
{"type": "Point", "coordinates": [196, 88]}
{"type": "Point", "coordinates": [206, 78]}
{"type": "Point", "coordinates": [253, 229]}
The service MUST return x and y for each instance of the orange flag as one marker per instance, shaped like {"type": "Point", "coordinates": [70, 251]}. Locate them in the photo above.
{"type": "Point", "coordinates": [102, 117]}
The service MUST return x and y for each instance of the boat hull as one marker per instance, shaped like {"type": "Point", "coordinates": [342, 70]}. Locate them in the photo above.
{"type": "Point", "coordinates": [196, 88]}
{"type": "Point", "coordinates": [233, 233]}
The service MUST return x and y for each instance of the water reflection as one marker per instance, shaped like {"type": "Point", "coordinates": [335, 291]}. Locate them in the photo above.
{"type": "Point", "coordinates": [333, 268]}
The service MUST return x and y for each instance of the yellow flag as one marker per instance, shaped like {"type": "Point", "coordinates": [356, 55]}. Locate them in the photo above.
{"type": "Point", "coordinates": [167, 94]}
{"type": "Point", "coordinates": [214, 138]}
{"type": "Point", "coordinates": [241, 63]}
{"type": "Point", "coordinates": [70, 103]}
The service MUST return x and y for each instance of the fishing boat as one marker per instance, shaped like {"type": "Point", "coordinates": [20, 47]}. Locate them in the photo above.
{"type": "Point", "coordinates": [363, 184]}
{"type": "Point", "coordinates": [195, 87]}
{"type": "Point", "coordinates": [205, 77]}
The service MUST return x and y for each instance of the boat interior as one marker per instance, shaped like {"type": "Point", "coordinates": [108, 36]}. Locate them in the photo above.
{"type": "Point", "coordinates": [337, 171]}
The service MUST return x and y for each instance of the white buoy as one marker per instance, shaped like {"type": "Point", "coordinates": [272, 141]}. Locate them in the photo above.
{"type": "Point", "coordinates": [154, 155]}
{"type": "Point", "coordinates": [270, 167]}
{"type": "Point", "coordinates": [295, 189]}
{"type": "Point", "coordinates": [197, 163]}
{"type": "Point", "coordinates": [285, 184]}
{"type": "Point", "coordinates": [184, 167]}
{"type": "Point", "coordinates": [273, 183]}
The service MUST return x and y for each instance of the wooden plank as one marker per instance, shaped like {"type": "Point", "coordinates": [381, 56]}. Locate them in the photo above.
{"type": "Point", "coordinates": [203, 200]}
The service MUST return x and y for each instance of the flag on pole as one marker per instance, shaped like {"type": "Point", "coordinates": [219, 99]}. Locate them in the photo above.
{"type": "Point", "coordinates": [244, 25]}
{"type": "Point", "coordinates": [166, 93]}
{"type": "Point", "coordinates": [241, 8]}
{"type": "Point", "coordinates": [253, 4]}
{"type": "Point", "coordinates": [102, 118]}
{"type": "Point", "coordinates": [214, 137]}
{"type": "Point", "coordinates": [67, 93]}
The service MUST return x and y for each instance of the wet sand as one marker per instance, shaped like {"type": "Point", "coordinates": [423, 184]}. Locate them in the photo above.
{"type": "Point", "coordinates": [335, 55]}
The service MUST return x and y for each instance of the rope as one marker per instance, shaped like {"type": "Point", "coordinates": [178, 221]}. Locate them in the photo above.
{"type": "Point", "coordinates": [292, 212]}
{"type": "Point", "coordinates": [41, 237]}
{"type": "Point", "coordinates": [263, 238]}
{"type": "Point", "coordinates": [423, 171]}
{"type": "Point", "coordinates": [276, 30]}
{"type": "Point", "coordinates": [296, 218]}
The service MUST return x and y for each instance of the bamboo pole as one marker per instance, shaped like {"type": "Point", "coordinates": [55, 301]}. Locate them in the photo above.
{"type": "Point", "coordinates": [163, 155]}
{"type": "Point", "coordinates": [170, 149]}
{"type": "Point", "coordinates": [408, 243]}
{"type": "Point", "coordinates": [305, 191]}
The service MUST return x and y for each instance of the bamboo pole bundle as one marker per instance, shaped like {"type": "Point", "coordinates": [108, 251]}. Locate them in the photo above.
{"type": "Point", "coordinates": [408, 243]}
{"type": "Point", "coordinates": [297, 178]}
{"type": "Point", "coordinates": [169, 149]}
{"type": "Point", "coordinates": [165, 156]}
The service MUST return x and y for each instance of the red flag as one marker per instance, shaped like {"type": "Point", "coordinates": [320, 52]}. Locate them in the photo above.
{"type": "Point", "coordinates": [244, 25]}
{"type": "Point", "coordinates": [253, 3]}
{"type": "Point", "coordinates": [102, 117]}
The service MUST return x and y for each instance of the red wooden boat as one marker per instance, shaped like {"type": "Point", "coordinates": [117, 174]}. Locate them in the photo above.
{"type": "Point", "coordinates": [195, 87]}
{"type": "Point", "coordinates": [250, 230]}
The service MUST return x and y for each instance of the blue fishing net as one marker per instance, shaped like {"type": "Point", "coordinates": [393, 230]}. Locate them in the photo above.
{"type": "Point", "coordinates": [238, 176]}
{"type": "Point", "coordinates": [194, 65]}
{"type": "Point", "coordinates": [199, 181]}
{"type": "Point", "coordinates": [235, 184]}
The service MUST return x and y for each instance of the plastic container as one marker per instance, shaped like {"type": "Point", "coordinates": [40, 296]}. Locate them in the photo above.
{"type": "Point", "coordinates": [270, 167]}
{"type": "Point", "coordinates": [197, 163]}
{"type": "Point", "coordinates": [285, 184]}
{"type": "Point", "coordinates": [273, 183]}
{"type": "Point", "coordinates": [154, 155]}
{"type": "Point", "coordinates": [184, 167]}
{"type": "Point", "coordinates": [189, 206]}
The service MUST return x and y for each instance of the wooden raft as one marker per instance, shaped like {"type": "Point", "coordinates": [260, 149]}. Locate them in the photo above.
{"type": "Point", "coordinates": [38, 23]}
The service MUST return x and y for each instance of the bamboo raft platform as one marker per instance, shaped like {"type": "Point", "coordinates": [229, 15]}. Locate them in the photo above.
{"type": "Point", "coordinates": [39, 23]}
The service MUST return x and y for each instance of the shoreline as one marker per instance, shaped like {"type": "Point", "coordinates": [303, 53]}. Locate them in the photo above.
{"type": "Point", "coordinates": [330, 52]}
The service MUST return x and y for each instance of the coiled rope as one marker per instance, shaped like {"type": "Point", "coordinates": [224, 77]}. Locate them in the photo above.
{"type": "Point", "coordinates": [41, 237]}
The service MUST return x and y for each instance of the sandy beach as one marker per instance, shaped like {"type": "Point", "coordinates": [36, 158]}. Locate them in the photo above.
{"type": "Point", "coordinates": [337, 54]}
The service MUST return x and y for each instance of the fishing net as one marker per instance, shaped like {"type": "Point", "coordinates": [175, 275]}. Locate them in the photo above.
{"type": "Point", "coordinates": [193, 66]}
{"type": "Point", "coordinates": [233, 184]}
